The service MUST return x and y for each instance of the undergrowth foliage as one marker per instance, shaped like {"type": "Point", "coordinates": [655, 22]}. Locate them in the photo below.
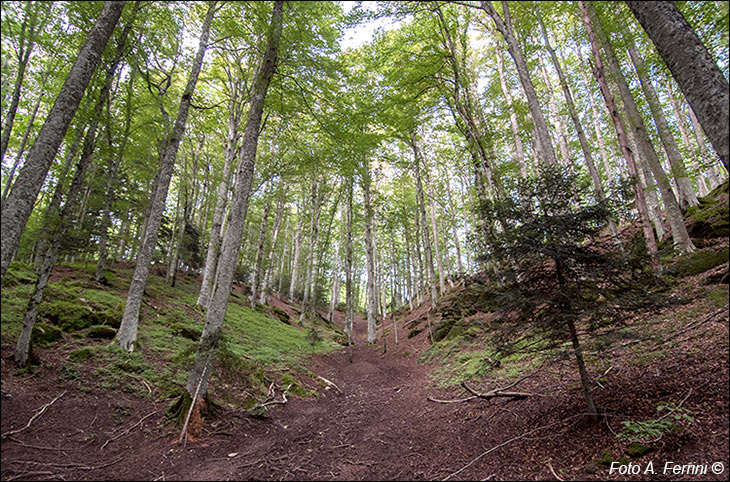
{"type": "Point", "coordinates": [555, 268]}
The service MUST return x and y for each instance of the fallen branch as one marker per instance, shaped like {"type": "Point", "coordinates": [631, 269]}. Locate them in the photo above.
{"type": "Point", "coordinates": [553, 472]}
{"type": "Point", "coordinates": [460, 400]}
{"type": "Point", "coordinates": [699, 322]}
{"type": "Point", "coordinates": [129, 429]}
{"type": "Point", "coordinates": [329, 383]}
{"type": "Point", "coordinates": [497, 392]}
{"type": "Point", "coordinates": [510, 441]}
{"type": "Point", "coordinates": [40, 412]}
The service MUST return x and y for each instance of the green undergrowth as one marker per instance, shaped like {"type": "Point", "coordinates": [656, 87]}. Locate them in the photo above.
{"type": "Point", "coordinates": [78, 317]}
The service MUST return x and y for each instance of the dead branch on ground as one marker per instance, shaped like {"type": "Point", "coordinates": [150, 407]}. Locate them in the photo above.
{"type": "Point", "coordinates": [497, 392]}
{"type": "Point", "coordinates": [40, 412]}
{"type": "Point", "coordinates": [129, 429]}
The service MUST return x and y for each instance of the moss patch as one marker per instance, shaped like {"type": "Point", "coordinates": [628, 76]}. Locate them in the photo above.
{"type": "Point", "coordinates": [699, 262]}
{"type": "Point", "coordinates": [44, 334]}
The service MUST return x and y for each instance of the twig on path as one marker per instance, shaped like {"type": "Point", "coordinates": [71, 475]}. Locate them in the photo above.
{"type": "Point", "coordinates": [510, 441]}
{"type": "Point", "coordinates": [458, 400]}
{"type": "Point", "coordinates": [329, 383]}
{"type": "Point", "coordinates": [497, 392]}
{"type": "Point", "coordinates": [553, 472]}
{"type": "Point", "coordinates": [129, 429]}
{"type": "Point", "coordinates": [40, 412]}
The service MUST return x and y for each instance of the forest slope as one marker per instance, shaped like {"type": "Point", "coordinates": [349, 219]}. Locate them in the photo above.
{"type": "Point", "coordinates": [105, 409]}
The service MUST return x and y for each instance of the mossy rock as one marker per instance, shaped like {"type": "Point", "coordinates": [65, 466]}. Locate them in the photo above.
{"type": "Point", "coordinates": [699, 262]}
{"type": "Point", "coordinates": [44, 334]}
{"type": "Point", "coordinates": [340, 338]}
{"type": "Point", "coordinates": [82, 354]}
{"type": "Point", "coordinates": [442, 329]}
{"type": "Point", "coordinates": [456, 331]}
{"type": "Point", "coordinates": [102, 331]}
{"type": "Point", "coordinates": [636, 449]}
{"type": "Point", "coordinates": [187, 331]}
{"type": "Point", "coordinates": [710, 219]}
{"type": "Point", "coordinates": [281, 314]}
{"type": "Point", "coordinates": [68, 315]}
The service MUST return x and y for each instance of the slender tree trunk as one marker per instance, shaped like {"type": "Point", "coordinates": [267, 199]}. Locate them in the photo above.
{"type": "Point", "coordinates": [215, 315]}
{"type": "Point", "coordinates": [219, 213]}
{"type": "Point", "coordinates": [686, 193]}
{"type": "Point", "coordinates": [297, 250]}
{"type": "Point", "coordinates": [335, 296]}
{"type": "Point", "coordinates": [371, 301]}
{"type": "Point", "coordinates": [27, 42]}
{"type": "Point", "coordinates": [623, 141]}
{"type": "Point", "coordinates": [560, 130]}
{"type": "Point", "coordinates": [546, 153]}
{"type": "Point", "coordinates": [702, 149]}
{"type": "Point", "coordinates": [21, 149]}
{"type": "Point", "coordinates": [428, 261]}
{"type": "Point", "coordinates": [597, 126]}
{"type": "Point", "coordinates": [274, 235]}
{"type": "Point", "coordinates": [255, 275]}
{"type": "Point", "coordinates": [100, 275]}
{"type": "Point", "coordinates": [434, 229]}
{"type": "Point", "coordinates": [24, 192]}
{"type": "Point", "coordinates": [348, 264]}
{"type": "Point", "coordinates": [516, 138]}
{"type": "Point", "coordinates": [682, 241]}
{"type": "Point", "coordinates": [691, 64]}
{"type": "Point", "coordinates": [127, 333]}
{"type": "Point", "coordinates": [313, 235]}
{"type": "Point", "coordinates": [681, 119]}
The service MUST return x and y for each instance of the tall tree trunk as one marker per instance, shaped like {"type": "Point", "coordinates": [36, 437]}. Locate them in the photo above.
{"type": "Point", "coordinates": [369, 245]}
{"type": "Point", "coordinates": [682, 241]}
{"type": "Point", "coordinates": [256, 273]}
{"type": "Point", "coordinates": [317, 189]}
{"type": "Point", "coordinates": [348, 264]}
{"type": "Point", "coordinates": [681, 124]}
{"type": "Point", "coordinates": [27, 42]}
{"type": "Point", "coordinates": [702, 149]}
{"type": "Point", "coordinates": [516, 138]}
{"type": "Point", "coordinates": [434, 229]}
{"type": "Point", "coordinates": [268, 273]}
{"type": "Point", "coordinates": [297, 250]}
{"type": "Point", "coordinates": [127, 333]}
{"type": "Point", "coordinates": [24, 192]}
{"type": "Point", "coordinates": [691, 64]}
{"type": "Point", "coordinates": [623, 141]}
{"type": "Point", "coordinates": [546, 153]}
{"type": "Point", "coordinates": [21, 150]}
{"type": "Point", "coordinates": [428, 260]}
{"type": "Point", "coordinates": [100, 274]}
{"type": "Point", "coordinates": [335, 296]}
{"type": "Point", "coordinates": [595, 177]}
{"type": "Point", "coordinates": [198, 379]}
{"type": "Point", "coordinates": [686, 193]}
{"type": "Point", "coordinates": [219, 213]}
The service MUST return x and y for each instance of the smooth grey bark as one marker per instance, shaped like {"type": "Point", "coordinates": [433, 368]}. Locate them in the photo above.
{"type": "Point", "coordinates": [516, 138]}
{"type": "Point", "coordinates": [348, 263]}
{"type": "Point", "coordinates": [546, 152]}
{"type": "Point", "coordinates": [685, 190]}
{"type": "Point", "coordinates": [585, 147]}
{"type": "Point", "coordinates": [21, 150]}
{"type": "Point", "coordinates": [211, 258]}
{"type": "Point", "coordinates": [599, 73]}
{"type": "Point", "coordinates": [702, 150]}
{"type": "Point", "coordinates": [428, 261]}
{"type": "Point", "coordinates": [27, 42]}
{"type": "Point", "coordinates": [454, 230]}
{"type": "Point", "coordinates": [268, 273]}
{"type": "Point", "coordinates": [567, 161]}
{"type": "Point", "coordinates": [681, 239]}
{"type": "Point", "coordinates": [216, 312]}
{"type": "Point", "coordinates": [434, 229]}
{"type": "Point", "coordinates": [127, 333]}
{"type": "Point", "coordinates": [297, 251]}
{"type": "Point", "coordinates": [57, 227]}
{"type": "Point", "coordinates": [335, 296]}
{"type": "Point", "coordinates": [694, 69]}
{"type": "Point", "coordinates": [256, 272]}
{"type": "Point", "coordinates": [100, 274]}
{"type": "Point", "coordinates": [370, 256]}
{"type": "Point", "coordinates": [317, 190]}
{"type": "Point", "coordinates": [24, 192]}
{"type": "Point", "coordinates": [681, 124]}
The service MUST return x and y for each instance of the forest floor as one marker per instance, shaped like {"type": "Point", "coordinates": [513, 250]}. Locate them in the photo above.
{"type": "Point", "coordinates": [378, 424]}
{"type": "Point", "coordinates": [377, 420]}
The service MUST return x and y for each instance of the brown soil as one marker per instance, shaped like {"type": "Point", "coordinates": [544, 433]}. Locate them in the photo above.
{"type": "Point", "coordinates": [378, 423]}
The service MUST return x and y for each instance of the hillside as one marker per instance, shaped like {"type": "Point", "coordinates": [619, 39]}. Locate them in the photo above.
{"type": "Point", "coordinates": [87, 411]}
